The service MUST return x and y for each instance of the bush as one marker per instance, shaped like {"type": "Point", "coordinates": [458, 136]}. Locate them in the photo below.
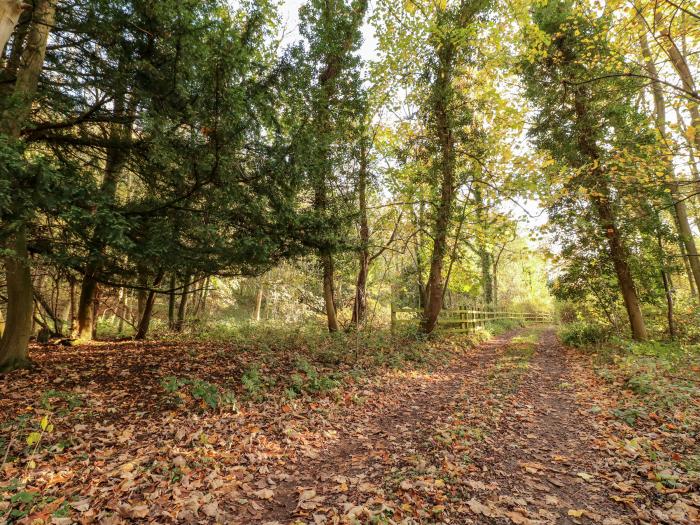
{"type": "Point", "coordinates": [584, 334]}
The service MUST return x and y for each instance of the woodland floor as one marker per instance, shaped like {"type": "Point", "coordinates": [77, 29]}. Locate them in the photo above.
{"type": "Point", "coordinates": [515, 430]}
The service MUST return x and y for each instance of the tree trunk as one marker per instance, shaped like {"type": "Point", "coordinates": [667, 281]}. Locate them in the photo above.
{"type": "Point", "coordinates": [72, 322]}
{"type": "Point", "coordinates": [95, 309]}
{"type": "Point", "coordinates": [118, 311]}
{"type": "Point", "coordinates": [65, 317]}
{"type": "Point", "coordinates": [668, 290]}
{"type": "Point", "coordinates": [422, 289]}
{"type": "Point", "coordinates": [329, 292]}
{"type": "Point", "coordinates": [485, 256]}
{"type": "Point", "coordinates": [182, 309]}
{"type": "Point", "coordinates": [669, 306]}
{"type": "Point", "coordinates": [141, 293]}
{"type": "Point", "coordinates": [20, 306]}
{"type": "Point", "coordinates": [686, 235]}
{"type": "Point", "coordinates": [446, 167]}
{"type": "Point", "coordinates": [124, 311]}
{"type": "Point", "coordinates": [171, 303]}
{"type": "Point", "coordinates": [86, 320]}
{"type": "Point", "coordinates": [359, 308]}
{"type": "Point", "coordinates": [333, 63]}
{"type": "Point", "coordinates": [496, 262]}
{"type": "Point", "coordinates": [680, 64]}
{"type": "Point", "coordinates": [602, 205]}
{"type": "Point", "coordinates": [688, 271]}
{"type": "Point", "coordinates": [116, 157]}
{"type": "Point", "coordinates": [205, 295]}
{"type": "Point", "coordinates": [360, 304]}
{"type": "Point", "coordinates": [679, 205]}
{"type": "Point", "coordinates": [10, 11]}
{"type": "Point", "coordinates": [50, 312]}
{"type": "Point", "coordinates": [618, 254]}
{"type": "Point", "coordinates": [486, 276]}
{"type": "Point", "coordinates": [145, 319]}
{"type": "Point", "coordinates": [258, 304]}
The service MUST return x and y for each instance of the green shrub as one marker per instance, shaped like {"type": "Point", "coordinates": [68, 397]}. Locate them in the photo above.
{"type": "Point", "coordinates": [628, 415]}
{"type": "Point", "coordinates": [582, 334]}
{"type": "Point", "coordinates": [641, 383]}
{"type": "Point", "coordinates": [309, 380]}
{"type": "Point", "coordinates": [503, 325]}
{"type": "Point", "coordinates": [206, 392]}
{"type": "Point", "coordinates": [209, 394]}
{"type": "Point", "coordinates": [254, 382]}
{"type": "Point", "coordinates": [71, 401]}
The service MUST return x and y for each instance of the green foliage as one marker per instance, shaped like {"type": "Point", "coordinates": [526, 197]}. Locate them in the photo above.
{"type": "Point", "coordinates": [206, 392]}
{"type": "Point", "coordinates": [60, 401]}
{"type": "Point", "coordinates": [658, 376]}
{"type": "Point", "coordinates": [628, 415]}
{"type": "Point", "coordinates": [209, 395]}
{"type": "Point", "coordinates": [172, 384]}
{"type": "Point", "coordinates": [255, 382]}
{"type": "Point", "coordinates": [504, 325]}
{"type": "Point", "coordinates": [582, 334]}
{"type": "Point", "coordinates": [309, 380]}
{"type": "Point", "coordinates": [601, 183]}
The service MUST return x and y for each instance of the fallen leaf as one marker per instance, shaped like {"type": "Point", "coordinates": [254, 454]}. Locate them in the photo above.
{"type": "Point", "coordinates": [264, 493]}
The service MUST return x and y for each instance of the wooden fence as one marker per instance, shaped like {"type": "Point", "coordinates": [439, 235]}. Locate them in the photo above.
{"type": "Point", "coordinates": [462, 320]}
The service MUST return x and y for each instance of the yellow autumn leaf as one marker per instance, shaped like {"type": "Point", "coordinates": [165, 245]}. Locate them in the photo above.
{"type": "Point", "coordinates": [574, 513]}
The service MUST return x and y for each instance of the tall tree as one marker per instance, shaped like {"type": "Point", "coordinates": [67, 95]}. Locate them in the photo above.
{"type": "Point", "coordinates": [582, 126]}
{"type": "Point", "coordinates": [15, 111]}
{"type": "Point", "coordinates": [679, 205]}
{"type": "Point", "coordinates": [332, 31]}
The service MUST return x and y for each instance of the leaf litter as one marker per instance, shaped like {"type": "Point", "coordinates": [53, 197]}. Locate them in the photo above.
{"type": "Point", "coordinates": [486, 436]}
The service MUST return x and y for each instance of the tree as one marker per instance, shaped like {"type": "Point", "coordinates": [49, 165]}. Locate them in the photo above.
{"type": "Point", "coordinates": [15, 112]}
{"type": "Point", "coordinates": [679, 204]}
{"type": "Point", "coordinates": [332, 87]}
{"type": "Point", "coordinates": [583, 126]}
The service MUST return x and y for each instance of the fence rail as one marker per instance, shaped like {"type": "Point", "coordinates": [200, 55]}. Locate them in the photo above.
{"type": "Point", "coordinates": [464, 320]}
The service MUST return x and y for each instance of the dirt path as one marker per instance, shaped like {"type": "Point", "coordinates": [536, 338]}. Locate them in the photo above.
{"type": "Point", "coordinates": [547, 456]}
{"type": "Point", "coordinates": [351, 472]}
{"type": "Point", "coordinates": [497, 436]}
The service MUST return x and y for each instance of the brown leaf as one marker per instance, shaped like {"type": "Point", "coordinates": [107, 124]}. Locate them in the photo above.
{"type": "Point", "coordinates": [264, 493]}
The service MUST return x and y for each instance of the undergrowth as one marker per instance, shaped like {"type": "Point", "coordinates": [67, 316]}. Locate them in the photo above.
{"type": "Point", "coordinates": [303, 361]}
{"type": "Point", "coordinates": [654, 392]}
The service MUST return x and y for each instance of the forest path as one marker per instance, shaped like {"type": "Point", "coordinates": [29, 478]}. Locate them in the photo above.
{"type": "Point", "coordinates": [496, 436]}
